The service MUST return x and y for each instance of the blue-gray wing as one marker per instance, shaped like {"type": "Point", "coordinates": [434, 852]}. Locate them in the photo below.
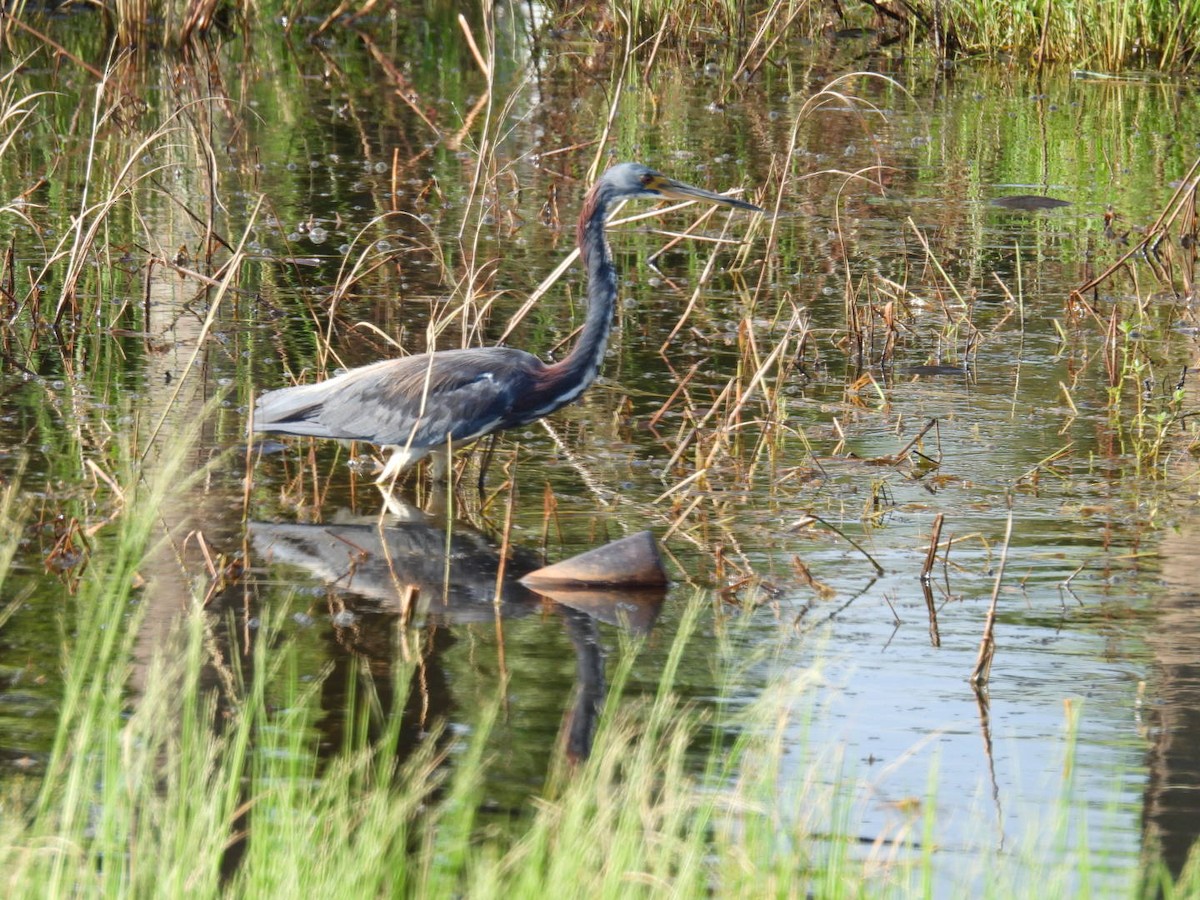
{"type": "Point", "coordinates": [425, 401]}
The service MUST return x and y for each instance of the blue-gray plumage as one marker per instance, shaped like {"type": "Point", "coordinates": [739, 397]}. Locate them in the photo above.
{"type": "Point", "coordinates": [425, 404]}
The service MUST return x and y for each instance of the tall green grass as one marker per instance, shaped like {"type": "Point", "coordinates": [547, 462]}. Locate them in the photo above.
{"type": "Point", "coordinates": [1091, 33]}
{"type": "Point", "coordinates": [13, 512]}
{"type": "Point", "coordinates": [211, 782]}
{"type": "Point", "coordinates": [1098, 34]}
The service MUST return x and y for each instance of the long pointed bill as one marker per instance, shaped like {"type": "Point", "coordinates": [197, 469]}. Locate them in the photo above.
{"type": "Point", "coordinates": [677, 190]}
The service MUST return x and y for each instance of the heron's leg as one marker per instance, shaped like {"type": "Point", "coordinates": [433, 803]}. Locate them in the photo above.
{"type": "Point", "coordinates": [399, 460]}
{"type": "Point", "coordinates": [439, 465]}
{"type": "Point", "coordinates": [485, 462]}
{"type": "Point", "coordinates": [438, 504]}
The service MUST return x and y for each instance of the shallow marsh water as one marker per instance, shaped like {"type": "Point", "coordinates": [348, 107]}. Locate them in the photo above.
{"type": "Point", "coordinates": [320, 158]}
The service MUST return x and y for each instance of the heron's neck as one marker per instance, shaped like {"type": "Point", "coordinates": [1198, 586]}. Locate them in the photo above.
{"type": "Point", "coordinates": [579, 368]}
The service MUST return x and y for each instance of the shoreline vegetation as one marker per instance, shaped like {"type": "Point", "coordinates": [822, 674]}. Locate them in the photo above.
{"type": "Point", "coordinates": [208, 779]}
{"type": "Point", "coordinates": [1093, 35]}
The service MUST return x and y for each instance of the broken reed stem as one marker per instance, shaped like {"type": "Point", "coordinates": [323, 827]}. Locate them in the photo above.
{"type": "Point", "coordinates": [935, 636]}
{"type": "Point", "coordinates": [745, 67]}
{"type": "Point", "coordinates": [756, 380]}
{"type": "Point", "coordinates": [933, 260]}
{"type": "Point", "coordinates": [853, 543]}
{"type": "Point", "coordinates": [508, 520]}
{"type": "Point", "coordinates": [741, 397]}
{"type": "Point", "coordinates": [677, 524]}
{"type": "Point", "coordinates": [678, 237]}
{"type": "Point", "coordinates": [618, 91]}
{"type": "Point", "coordinates": [1112, 345]}
{"type": "Point", "coordinates": [920, 434]}
{"type": "Point", "coordinates": [680, 387]}
{"type": "Point", "coordinates": [703, 280]}
{"type": "Point", "coordinates": [549, 513]}
{"type": "Point", "coordinates": [931, 554]}
{"type": "Point", "coordinates": [484, 67]}
{"type": "Point", "coordinates": [686, 440]}
{"type": "Point", "coordinates": [57, 47]}
{"type": "Point", "coordinates": [987, 644]}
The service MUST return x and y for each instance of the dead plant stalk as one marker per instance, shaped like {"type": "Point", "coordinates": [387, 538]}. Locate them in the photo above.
{"type": "Point", "coordinates": [987, 644]}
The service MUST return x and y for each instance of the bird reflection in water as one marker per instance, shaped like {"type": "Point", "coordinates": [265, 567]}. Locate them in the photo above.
{"type": "Point", "coordinates": [374, 567]}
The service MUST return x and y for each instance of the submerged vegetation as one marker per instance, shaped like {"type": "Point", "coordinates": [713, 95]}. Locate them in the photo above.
{"type": "Point", "coordinates": [183, 230]}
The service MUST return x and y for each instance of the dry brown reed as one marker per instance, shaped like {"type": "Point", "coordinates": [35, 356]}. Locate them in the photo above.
{"type": "Point", "coordinates": [935, 534]}
{"type": "Point", "coordinates": [987, 643]}
{"type": "Point", "coordinates": [170, 23]}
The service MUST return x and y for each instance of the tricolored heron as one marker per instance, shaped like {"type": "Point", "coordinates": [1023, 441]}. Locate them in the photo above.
{"type": "Point", "coordinates": [427, 404]}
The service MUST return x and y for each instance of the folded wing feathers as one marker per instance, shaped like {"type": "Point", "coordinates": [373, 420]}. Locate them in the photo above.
{"type": "Point", "coordinates": [470, 393]}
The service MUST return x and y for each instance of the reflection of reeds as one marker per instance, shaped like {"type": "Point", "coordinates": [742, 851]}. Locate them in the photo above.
{"type": "Point", "coordinates": [167, 22]}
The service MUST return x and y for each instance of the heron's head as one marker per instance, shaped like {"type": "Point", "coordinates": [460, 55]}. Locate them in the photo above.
{"type": "Point", "coordinates": [636, 180]}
